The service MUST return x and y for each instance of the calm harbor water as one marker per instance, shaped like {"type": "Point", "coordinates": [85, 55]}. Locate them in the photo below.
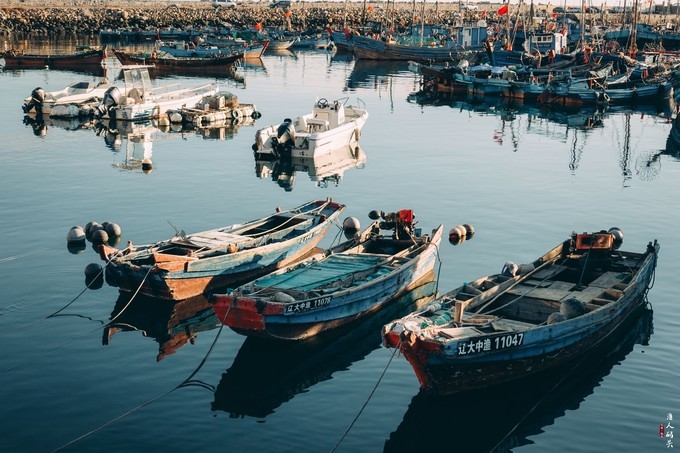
{"type": "Point", "coordinates": [524, 178]}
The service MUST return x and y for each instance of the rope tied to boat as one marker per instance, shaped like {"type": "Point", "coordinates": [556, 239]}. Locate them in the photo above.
{"type": "Point", "coordinates": [375, 387]}
{"type": "Point", "coordinates": [185, 383]}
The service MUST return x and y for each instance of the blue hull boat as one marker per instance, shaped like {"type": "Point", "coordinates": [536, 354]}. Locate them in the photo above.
{"type": "Point", "coordinates": [528, 318]}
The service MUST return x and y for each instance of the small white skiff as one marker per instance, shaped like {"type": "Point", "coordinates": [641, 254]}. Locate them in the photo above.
{"type": "Point", "coordinates": [329, 127]}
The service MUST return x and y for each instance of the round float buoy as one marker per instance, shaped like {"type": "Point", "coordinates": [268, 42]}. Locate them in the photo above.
{"type": "Point", "coordinates": [457, 235]}
{"type": "Point", "coordinates": [94, 277]}
{"type": "Point", "coordinates": [163, 122]}
{"type": "Point", "coordinates": [469, 230]}
{"type": "Point", "coordinates": [75, 235]}
{"type": "Point", "coordinates": [618, 236]}
{"type": "Point", "coordinates": [350, 226]}
{"type": "Point", "coordinates": [147, 166]}
{"type": "Point", "coordinates": [114, 241]}
{"type": "Point", "coordinates": [113, 230]}
{"type": "Point", "coordinates": [256, 115]}
{"type": "Point", "coordinates": [88, 225]}
{"type": "Point", "coordinates": [100, 236]}
{"type": "Point", "coordinates": [176, 117]}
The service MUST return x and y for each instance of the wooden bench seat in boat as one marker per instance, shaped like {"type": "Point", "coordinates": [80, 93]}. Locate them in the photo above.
{"type": "Point", "coordinates": [217, 239]}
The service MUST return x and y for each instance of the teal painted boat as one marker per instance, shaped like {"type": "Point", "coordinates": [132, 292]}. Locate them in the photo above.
{"type": "Point", "coordinates": [335, 287]}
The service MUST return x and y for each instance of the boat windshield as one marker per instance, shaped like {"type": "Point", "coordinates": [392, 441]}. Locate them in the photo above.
{"type": "Point", "coordinates": [137, 78]}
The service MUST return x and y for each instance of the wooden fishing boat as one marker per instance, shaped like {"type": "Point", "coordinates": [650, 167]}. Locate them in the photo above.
{"type": "Point", "coordinates": [376, 49]}
{"type": "Point", "coordinates": [189, 264]}
{"type": "Point", "coordinates": [528, 318]}
{"type": "Point", "coordinates": [91, 57]}
{"type": "Point", "coordinates": [161, 60]}
{"type": "Point", "coordinates": [329, 127]}
{"type": "Point", "coordinates": [334, 287]}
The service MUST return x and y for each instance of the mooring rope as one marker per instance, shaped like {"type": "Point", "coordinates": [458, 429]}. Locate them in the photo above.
{"type": "Point", "coordinates": [104, 325]}
{"type": "Point", "coordinates": [375, 387]}
{"type": "Point", "coordinates": [185, 383]}
{"type": "Point", "coordinates": [87, 286]}
{"type": "Point", "coordinates": [23, 255]}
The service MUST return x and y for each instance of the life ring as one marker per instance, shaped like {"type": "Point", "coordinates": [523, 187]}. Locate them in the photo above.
{"type": "Point", "coordinates": [235, 113]}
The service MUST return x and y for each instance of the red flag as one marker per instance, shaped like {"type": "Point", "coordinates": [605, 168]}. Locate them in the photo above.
{"type": "Point", "coordinates": [258, 26]}
{"type": "Point", "coordinates": [503, 10]}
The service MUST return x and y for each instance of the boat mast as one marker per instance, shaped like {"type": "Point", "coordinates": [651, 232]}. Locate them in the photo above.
{"type": "Point", "coordinates": [633, 31]}
{"type": "Point", "coordinates": [422, 23]}
{"type": "Point", "coordinates": [623, 16]}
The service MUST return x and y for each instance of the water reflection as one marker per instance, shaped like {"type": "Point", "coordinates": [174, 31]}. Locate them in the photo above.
{"type": "Point", "coordinates": [41, 124]}
{"type": "Point", "coordinates": [325, 170]}
{"type": "Point", "coordinates": [648, 165]}
{"type": "Point", "coordinates": [517, 120]}
{"type": "Point", "coordinates": [171, 324]}
{"type": "Point", "coordinates": [505, 416]}
{"type": "Point", "coordinates": [265, 374]}
{"type": "Point", "coordinates": [378, 73]}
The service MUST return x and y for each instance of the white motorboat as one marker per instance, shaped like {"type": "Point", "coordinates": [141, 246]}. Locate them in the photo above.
{"type": "Point", "coordinates": [62, 103]}
{"type": "Point", "coordinates": [141, 101]}
{"type": "Point", "coordinates": [329, 127]}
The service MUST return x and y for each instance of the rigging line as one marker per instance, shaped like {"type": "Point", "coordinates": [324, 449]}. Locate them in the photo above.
{"type": "Point", "coordinates": [107, 324]}
{"type": "Point", "coordinates": [366, 402]}
{"type": "Point", "coordinates": [23, 255]}
{"type": "Point", "coordinates": [184, 383]}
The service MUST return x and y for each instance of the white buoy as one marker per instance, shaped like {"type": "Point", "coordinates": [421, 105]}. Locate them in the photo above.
{"type": "Point", "coordinates": [75, 235]}
{"type": "Point", "coordinates": [176, 117]}
{"type": "Point", "coordinates": [163, 122]}
{"type": "Point", "coordinates": [350, 226]}
{"type": "Point", "coordinates": [457, 234]}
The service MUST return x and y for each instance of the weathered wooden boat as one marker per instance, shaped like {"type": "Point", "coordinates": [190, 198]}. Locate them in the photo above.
{"type": "Point", "coordinates": [139, 100]}
{"type": "Point", "coordinates": [189, 264]}
{"type": "Point", "coordinates": [529, 405]}
{"type": "Point", "coordinates": [376, 49]}
{"type": "Point", "coordinates": [76, 94]}
{"type": "Point", "coordinates": [91, 57]}
{"type": "Point", "coordinates": [334, 287]}
{"type": "Point", "coordinates": [329, 127]}
{"type": "Point", "coordinates": [161, 60]}
{"type": "Point", "coordinates": [528, 318]}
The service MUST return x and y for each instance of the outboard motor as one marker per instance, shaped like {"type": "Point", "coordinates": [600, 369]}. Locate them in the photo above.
{"type": "Point", "coordinates": [36, 100]}
{"type": "Point", "coordinates": [111, 99]}
{"type": "Point", "coordinates": [402, 222]}
{"type": "Point", "coordinates": [285, 137]}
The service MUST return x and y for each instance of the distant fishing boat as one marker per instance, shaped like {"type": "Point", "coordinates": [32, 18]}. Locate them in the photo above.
{"type": "Point", "coordinates": [161, 60]}
{"type": "Point", "coordinates": [528, 318]}
{"type": "Point", "coordinates": [329, 127]}
{"type": "Point", "coordinates": [189, 264]}
{"type": "Point", "coordinates": [335, 287]}
{"type": "Point", "coordinates": [86, 58]}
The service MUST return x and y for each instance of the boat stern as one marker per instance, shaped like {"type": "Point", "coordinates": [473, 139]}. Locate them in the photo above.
{"type": "Point", "coordinates": [243, 313]}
